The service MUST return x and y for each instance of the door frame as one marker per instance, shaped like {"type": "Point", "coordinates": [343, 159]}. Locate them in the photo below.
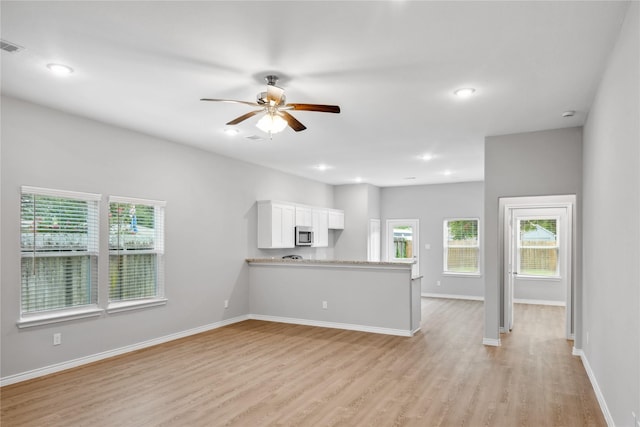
{"type": "Point", "coordinates": [415, 224]}
{"type": "Point", "coordinates": [506, 206]}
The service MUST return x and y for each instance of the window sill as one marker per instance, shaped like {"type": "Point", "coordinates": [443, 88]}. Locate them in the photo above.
{"type": "Point", "coordinates": [454, 274]}
{"type": "Point", "coordinates": [31, 320]}
{"type": "Point", "coordinates": [119, 307]}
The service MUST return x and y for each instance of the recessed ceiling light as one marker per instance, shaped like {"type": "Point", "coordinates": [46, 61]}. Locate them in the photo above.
{"type": "Point", "coordinates": [358, 179]}
{"type": "Point", "coordinates": [569, 113]}
{"type": "Point", "coordinates": [322, 167]}
{"type": "Point", "coordinates": [409, 177]}
{"type": "Point", "coordinates": [464, 92]}
{"type": "Point", "coordinates": [231, 131]}
{"type": "Point", "coordinates": [447, 172]}
{"type": "Point", "coordinates": [426, 157]}
{"type": "Point", "coordinates": [60, 69]}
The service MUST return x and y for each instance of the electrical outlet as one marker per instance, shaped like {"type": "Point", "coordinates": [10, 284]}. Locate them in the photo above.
{"type": "Point", "coordinates": [438, 283]}
{"type": "Point", "coordinates": [324, 305]}
{"type": "Point", "coordinates": [226, 303]}
{"type": "Point", "coordinates": [57, 338]}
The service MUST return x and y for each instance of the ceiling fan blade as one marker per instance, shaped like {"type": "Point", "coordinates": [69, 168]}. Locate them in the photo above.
{"type": "Point", "coordinates": [244, 117]}
{"type": "Point", "coordinates": [232, 101]}
{"type": "Point", "coordinates": [275, 94]}
{"type": "Point", "coordinates": [315, 107]}
{"type": "Point", "coordinates": [292, 121]}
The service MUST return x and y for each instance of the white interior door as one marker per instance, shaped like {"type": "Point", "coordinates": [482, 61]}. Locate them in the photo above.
{"type": "Point", "coordinates": [403, 243]}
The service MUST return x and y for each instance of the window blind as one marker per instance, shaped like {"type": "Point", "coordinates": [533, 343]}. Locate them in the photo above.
{"type": "Point", "coordinates": [136, 249]}
{"type": "Point", "coordinates": [59, 249]}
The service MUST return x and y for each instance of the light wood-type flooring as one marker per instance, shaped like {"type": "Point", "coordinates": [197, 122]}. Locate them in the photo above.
{"type": "Point", "coordinates": [270, 374]}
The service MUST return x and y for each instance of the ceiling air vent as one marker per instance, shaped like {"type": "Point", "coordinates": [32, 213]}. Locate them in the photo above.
{"type": "Point", "coordinates": [10, 47]}
{"type": "Point", "coordinates": [254, 137]}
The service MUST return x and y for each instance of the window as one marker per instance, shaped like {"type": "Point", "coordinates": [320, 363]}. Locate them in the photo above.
{"type": "Point", "coordinates": [461, 246]}
{"type": "Point", "coordinates": [59, 250]}
{"type": "Point", "coordinates": [136, 249]}
{"type": "Point", "coordinates": [538, 247]}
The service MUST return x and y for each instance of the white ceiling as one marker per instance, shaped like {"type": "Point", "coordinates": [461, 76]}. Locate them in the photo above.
{"type": "Point", "coordinates": [392, 66]}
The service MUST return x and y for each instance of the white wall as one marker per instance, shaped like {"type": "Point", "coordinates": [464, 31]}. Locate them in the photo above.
{"type": "Point", "coordinates": [529, 164]}
{"type": "Point", "coordinates": [431, 205]}
{"type": "Point", "coordinates": [611, 228]}
{"type": "Point", "coordinates": [210, 226]}
{"type": "Point", "coordinates": [360, 203]}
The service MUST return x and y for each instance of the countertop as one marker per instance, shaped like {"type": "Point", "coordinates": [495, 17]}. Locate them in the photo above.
{"type": "Point", "coordinates": [327, 262]}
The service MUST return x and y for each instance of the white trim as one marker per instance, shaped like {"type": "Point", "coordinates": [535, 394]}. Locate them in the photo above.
{"type": "Point", "coordinates": [61, 193]}
{"type": "Point", "coordinates": [491, 341]}
{"type": "Point", "coordinates": [30, 320]}
{"type": "Point", "coordinates": [334, 325]}
{"type": "Point", "coordinates": [452, 296]}
{"type": "Point", "coordinates": [594, 383]}
{"type": "Point", "coordinates": [539, 302]}
{"type": "Point", "coordinates": [35, 373]}
{"type": "Point", "coordinates": [117, 307]}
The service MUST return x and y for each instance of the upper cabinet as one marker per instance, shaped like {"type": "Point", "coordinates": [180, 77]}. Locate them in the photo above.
{"type": "Point", "coordinates": [276, 225]}
{"type": "Point", "coordinates": [336, 219]}
{"type": "Point", "coordinates": [277, 222]}
{"type": "Point", "coordinates": [304, 216]}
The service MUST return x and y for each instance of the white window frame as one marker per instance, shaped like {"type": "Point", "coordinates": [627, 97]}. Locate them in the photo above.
{"type": "Point", "coordinates": [159, 298]}
{"type": "Point", "coordinates": [445, 248]}
{"type": "Point", "coordinates": [29, 319]}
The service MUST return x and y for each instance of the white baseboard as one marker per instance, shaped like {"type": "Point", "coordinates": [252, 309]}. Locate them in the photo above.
{"type": "Point", "coordinates": [594, 383]}
{"type": "Point", "coordinates": [452, 296]}
{"type": "Point", "coordinates": [491, 341]}
{"type": "Point", "coordinates": [334, 325]}
{"type": "Point", "coordinates": [539, 302]}
{"type": "Point", "coordinates": [35, 373]}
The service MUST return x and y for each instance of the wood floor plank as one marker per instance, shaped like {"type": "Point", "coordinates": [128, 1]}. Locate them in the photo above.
{"type": "Point", "coordinates": [270, 374]}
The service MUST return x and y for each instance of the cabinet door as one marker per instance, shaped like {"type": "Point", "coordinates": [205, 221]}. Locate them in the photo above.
{"type": "Point", "coordinates": [304, 216]}
{"type": "Point", "coordinates": [336, 219]}
{"type": "Point", "coordinates": [288, 227]}
{"type": "Point", "coordinates": [320, 228]}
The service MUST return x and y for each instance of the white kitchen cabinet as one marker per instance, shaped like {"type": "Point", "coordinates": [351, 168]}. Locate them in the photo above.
{"type": "Point", "coordinates": [276, 224]}
{"type": "Point", "coordinates": [304, 216]}
{"type": "Point", "coordinates": [336, 219]}
{"type": "Point", "coordinates": [320, 221]}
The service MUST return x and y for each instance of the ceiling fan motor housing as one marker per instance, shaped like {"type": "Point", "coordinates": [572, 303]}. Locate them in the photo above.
{"type": "Point", "coordinates": [262, 99]}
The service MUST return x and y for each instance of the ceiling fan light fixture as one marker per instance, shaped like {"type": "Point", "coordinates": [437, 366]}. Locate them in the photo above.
{"type": "Point", "coordinates": [271, 123]}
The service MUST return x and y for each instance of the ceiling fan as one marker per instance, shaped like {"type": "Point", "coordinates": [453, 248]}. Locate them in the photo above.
{"type": "Point", "coordinates": [273, 104]}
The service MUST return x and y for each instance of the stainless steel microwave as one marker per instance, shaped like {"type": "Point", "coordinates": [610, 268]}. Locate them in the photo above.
{"type": "Point", "coordinates": [304, 236]}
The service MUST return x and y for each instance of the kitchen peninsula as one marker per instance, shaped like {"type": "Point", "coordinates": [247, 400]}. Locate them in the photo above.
{"type": "Point", "coordinates": [379, 297]}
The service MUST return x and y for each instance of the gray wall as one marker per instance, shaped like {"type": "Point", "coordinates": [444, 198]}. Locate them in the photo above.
{"type": "Point", "coordinates": [611, 329]}
{"type": "Point", "coordinates": [210, 226]}
{"type": "Point", "coordinates": [431, 204]}
{"type": "Point", "coordinates": [360, 202]}
{"type": "Point", "coordinates": [528, 164]}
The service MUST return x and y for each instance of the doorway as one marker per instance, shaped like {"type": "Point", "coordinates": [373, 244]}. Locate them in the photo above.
{"type": "Point", "coordinates": [403, 243]}
{"type": "Point", "coordinates": [538, 261]}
